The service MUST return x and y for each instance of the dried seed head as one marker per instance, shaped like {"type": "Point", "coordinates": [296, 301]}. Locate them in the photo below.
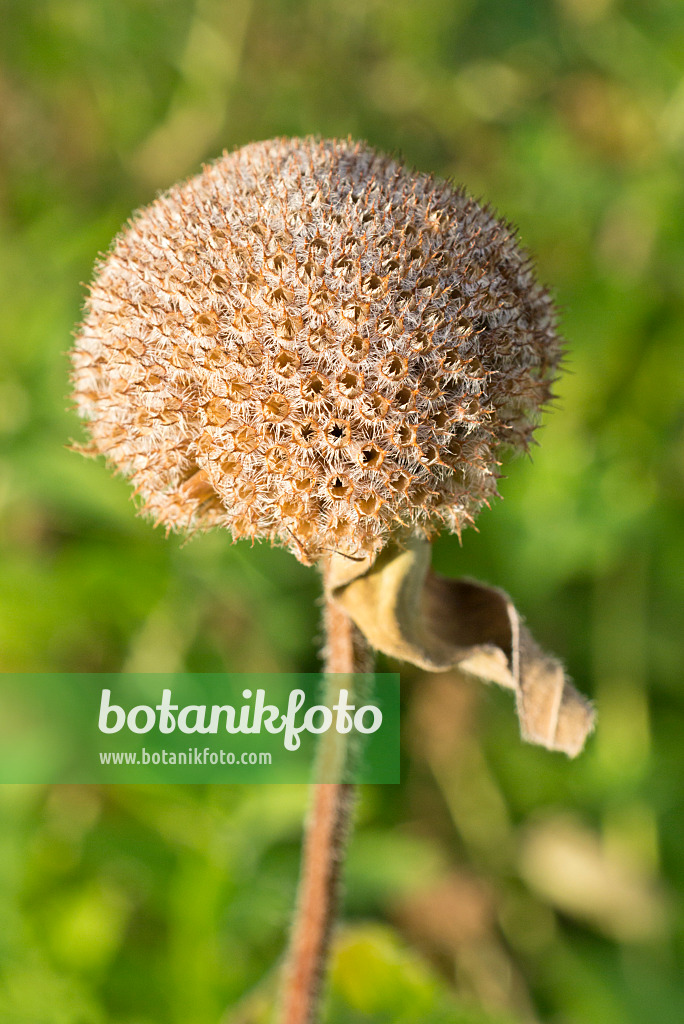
{"type": "Point", "coordinates": [309, 343]}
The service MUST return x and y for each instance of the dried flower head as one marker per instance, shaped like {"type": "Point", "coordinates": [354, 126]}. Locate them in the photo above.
{"type": "Point", "coordinates": [309, 343]}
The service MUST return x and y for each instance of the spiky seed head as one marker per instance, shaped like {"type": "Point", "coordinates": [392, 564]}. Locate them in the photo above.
{"type": "Point", "coordinates": [309, 343]}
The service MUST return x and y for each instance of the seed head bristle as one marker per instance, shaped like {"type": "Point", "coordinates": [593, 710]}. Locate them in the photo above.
{"type": "Point", "coordinates": [310, 344]}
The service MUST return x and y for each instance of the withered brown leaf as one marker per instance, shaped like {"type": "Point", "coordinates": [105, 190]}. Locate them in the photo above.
{"type": "Point", "coordinates": [411, 613]}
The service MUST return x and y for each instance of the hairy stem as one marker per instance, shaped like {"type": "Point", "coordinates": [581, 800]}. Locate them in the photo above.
{"type": "Point", "coordinates": [325, 842]}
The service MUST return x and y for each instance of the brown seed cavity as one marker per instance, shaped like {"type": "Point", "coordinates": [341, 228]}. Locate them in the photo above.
{"type": "Point", "coordinates": [403, 399]}
{"type": "Point", "coordinates": [250, 353]}
{"type": "Point", "coordinates": [319, 247]}
{"type": "Point", "coordinates": [277, 459]}
{"type": "Point", "coordinates": [355, 313]}
{"type": "Point", "coordinates": [308, 271]}
{"type": "Point", "coordinates": [338, 433]}
{"type": "Point", "coordinates": [286, 363]}
{"type": "Point", "coordinates": [230, 465]}
{"type": "Point", "coordinates": [278, 262]}
{"type": "Point", "coordinates": [369, 505]}
{"type": "Point", "coordinates": [217, 412]}
{"type": "Point", "coordinates": [320, 338]}
{"type": "Point", "coordinates": [245, 439]}
{"type": "Point", "coordinates": [251, 284]}
{"type": "Point", "coordinates": [374, 406]}
{"type": "Point", "coordinates": [421, 341]}
{"type": "Point", "coordinates": [429, 387]}
{"type": "Point", "coordinates": [356, 348]}
{"type": "Point", "coordinates": [305, 434]}
{"type": "Point", "coordinates": [238, 390]}
{"type": "Point", "coordinates": [373, 285]}
{"type": "Point", "coordinates": [314, 387]}
{"type": "Point", "coordinates": [341, 530]}
{"type": "Point", "coordinates": [371, 457]}
{"type": "Point", "coordinates": [429, 454]}
{"type": "Point", "coordinates": [399, 481]}
{"type": "Point", "coordinates": [389, 325]}
{"type": "Point", "coordinates": [350, 384]}
{"type": "Point", "coordinates": [322, 300]}
{"type": "Point", "coordinates": [291, 507]}
{"type": "Point", "coordinates": [405, 435]}
{"type": "Point", "coordinates": [285, 329]}
{"type": "Point", "coordinates": [427, 284]}
{"type": "Point", "coordinates": [451, 360]}
{"type": "Point", "coordinates": [344, 268]}
{"type": "Point", "coordinates": [275, 408]}
{"type": "Point", "coordinates": [394, 367]}
{"type": "Point", "coordinates": [339, 487]}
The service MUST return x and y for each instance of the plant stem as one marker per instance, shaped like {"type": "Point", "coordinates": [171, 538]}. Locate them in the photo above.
{"type": "Point", "coordinates": [325, 841]}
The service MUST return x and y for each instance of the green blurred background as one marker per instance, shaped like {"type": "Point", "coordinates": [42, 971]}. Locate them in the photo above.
{"type": "Point", "coordinates": [499, 882]}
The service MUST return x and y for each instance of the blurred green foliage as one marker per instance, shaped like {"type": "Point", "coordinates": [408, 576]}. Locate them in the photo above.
{"type": "Point", "coordinates": [497, 879]}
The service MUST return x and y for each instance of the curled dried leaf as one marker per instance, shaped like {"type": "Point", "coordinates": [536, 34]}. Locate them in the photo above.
{"type": "Point", "coordinates": [413, 614]}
